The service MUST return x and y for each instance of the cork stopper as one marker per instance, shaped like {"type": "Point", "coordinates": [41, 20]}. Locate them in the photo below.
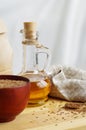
{"type": "Point", "coordinates": [30, 29]}
{"type": "Point", "coordinates": [30, 26]}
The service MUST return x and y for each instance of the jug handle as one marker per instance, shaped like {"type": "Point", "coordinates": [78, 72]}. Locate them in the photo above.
{"type": "Point", "coordinates": [45, 63]}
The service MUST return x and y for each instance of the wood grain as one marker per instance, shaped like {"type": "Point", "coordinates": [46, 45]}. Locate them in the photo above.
{"type": "Point", "coordinates": [50, 116]}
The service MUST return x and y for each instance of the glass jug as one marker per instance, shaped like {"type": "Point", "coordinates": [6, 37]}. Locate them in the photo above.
{"type": "Point", "coordinates": [35, 61]}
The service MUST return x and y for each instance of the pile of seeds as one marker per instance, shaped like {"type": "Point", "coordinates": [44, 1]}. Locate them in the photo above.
{"type": "Point", "coordinates": [55, 111]}
{"type": "Point", "coordinates": [6, 83]}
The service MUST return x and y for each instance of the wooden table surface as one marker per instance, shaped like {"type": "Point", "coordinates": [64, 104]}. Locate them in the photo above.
{"type": "Point", "coordinates": [50, 116]}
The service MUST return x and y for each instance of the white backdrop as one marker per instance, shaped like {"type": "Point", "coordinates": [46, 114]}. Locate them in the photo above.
{"type": "Point", "coordinates": [61, 25]}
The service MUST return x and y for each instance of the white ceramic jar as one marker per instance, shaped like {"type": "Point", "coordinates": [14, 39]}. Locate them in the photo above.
{"type": "Point", "coordinates": [6, 52]}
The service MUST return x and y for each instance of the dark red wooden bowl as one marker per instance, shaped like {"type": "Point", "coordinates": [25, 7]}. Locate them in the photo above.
{"type": "Point", "coordinates": [13, 100]}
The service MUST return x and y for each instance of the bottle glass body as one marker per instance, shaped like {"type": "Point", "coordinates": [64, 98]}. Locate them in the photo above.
{"type": "Point", "coordinates": [33, 55]}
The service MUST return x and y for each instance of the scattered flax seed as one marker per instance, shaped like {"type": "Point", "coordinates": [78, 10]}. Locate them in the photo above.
{"type": "Point", "coordinates": [52, 112]}
{"type": "Point", "coordinates": [44, 106]}
{"type": "Point", "coordinates": [63, 118]}
{"type": "Point", "coordinates": [53, 102]}
{"type": "Point", "coordinates": [45, 120]}
{"type": "Point", "coordinates": [31, 121]}
{"type": "Point", "coordinates": [72, 105]}
{"type": "Point", "coordinates": [37, 117]}
{"type": "Point", "coordinates": [67, 113]}
{"type": "Point", "coordinates": [75, 116]}
{"type": "Point", "coordinates": [60, 105]}
{"type": "Point", "coordinates": [43, 113]}
{"type": "Point", "coordinates": [56, 112]}
{"type": "Point", "coordinates": [83, 115]}
{"type": "Point", "coordinates": [72, 112]}
{"type": "Point", "coordinates": [41, 108]}
{"type": "Point", "coordinates": [51, 118]}
{"type": "Point", "coordinates": [33, 114]}
{"type": "Point", "coordinates": [61, 112]}
{"type": "Point", "coordinates": [48, 111]}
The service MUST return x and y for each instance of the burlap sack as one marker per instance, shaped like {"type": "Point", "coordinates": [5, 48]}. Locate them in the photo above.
{"type": "Point", "coordinates": [68, 83]}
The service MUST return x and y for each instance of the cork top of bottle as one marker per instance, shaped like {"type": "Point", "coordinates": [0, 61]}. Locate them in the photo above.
{"type": "Point", "coordinates": [30, 30]}
{"type": "Point", "coordinates": [30, 26]}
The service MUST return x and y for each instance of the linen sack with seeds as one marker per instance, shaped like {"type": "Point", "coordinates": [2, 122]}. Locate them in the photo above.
{"type": "Point", "coordinates": [67, 83]}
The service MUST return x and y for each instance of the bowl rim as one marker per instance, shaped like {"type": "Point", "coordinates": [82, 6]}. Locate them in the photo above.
{"type": "Point", "coordinates": [14, 77]}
